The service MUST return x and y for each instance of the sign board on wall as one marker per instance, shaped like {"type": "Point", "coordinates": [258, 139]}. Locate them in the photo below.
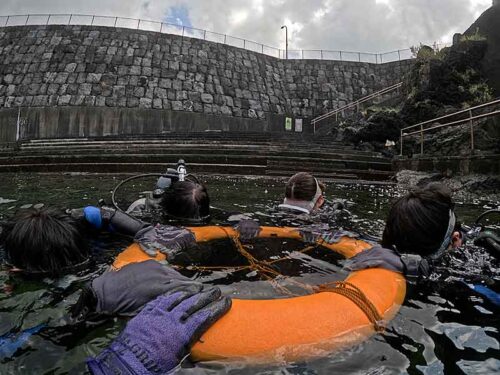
{"type": "Point", "coordinates": [288, 124]}
{"type": "Point", "coordinates": [298, 125]}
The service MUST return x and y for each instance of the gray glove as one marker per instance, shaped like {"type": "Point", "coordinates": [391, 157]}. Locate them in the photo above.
{"type": "Point", "coordinates": [312, 235]}
{"type": "Point", "coordinates": [248, 229]}
{"type": "Point", "coordinates": [126, 291]}
{"type": "Point", "coordinates": [167, 239]}
{"type": "Point", "coordinates": [376, 257]}
{"type": "Point", "coordinates": [414, 267]}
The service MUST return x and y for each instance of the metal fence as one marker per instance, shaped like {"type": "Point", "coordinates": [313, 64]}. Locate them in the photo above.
{"type": "Point", "coordinates": [191, 32]}
{"type": "Point", "coordinates": [468, 116]}
{"type": "Point", "coordinates": [353, 105]}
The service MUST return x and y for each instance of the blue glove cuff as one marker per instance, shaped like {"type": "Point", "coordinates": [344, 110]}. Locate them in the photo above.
{"type": "Point", "coordinates": [93, 216]}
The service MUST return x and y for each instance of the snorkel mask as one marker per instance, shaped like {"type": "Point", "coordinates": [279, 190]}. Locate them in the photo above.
{"type": "Point", "coordinates": [303, 206]}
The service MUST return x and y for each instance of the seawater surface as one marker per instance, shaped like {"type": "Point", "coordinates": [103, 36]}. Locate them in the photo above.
{"type": "Point", "coordinates": [443, 327]}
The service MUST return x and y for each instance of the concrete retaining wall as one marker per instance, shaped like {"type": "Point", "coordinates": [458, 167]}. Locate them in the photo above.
{"type": "Point", "coordinates": [102, 67]}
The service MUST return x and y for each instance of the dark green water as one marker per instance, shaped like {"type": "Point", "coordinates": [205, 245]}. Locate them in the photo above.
{"type": "Point", "coordinates": [443, 326]}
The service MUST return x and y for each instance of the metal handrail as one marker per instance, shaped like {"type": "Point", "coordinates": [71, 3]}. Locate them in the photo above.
{"type": "Point", "coordinates": [469, 119]}
{"type": "Point", "coordinates": [141, 24]}
{"type": "Point", "coordinates": [356, 104]}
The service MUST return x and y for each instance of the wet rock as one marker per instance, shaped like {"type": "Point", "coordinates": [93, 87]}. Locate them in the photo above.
{"type": "Point", "coordinates": [479, 185]}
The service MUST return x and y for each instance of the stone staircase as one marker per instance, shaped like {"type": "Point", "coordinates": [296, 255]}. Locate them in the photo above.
{"type": "Point", "coordinates": [272, 154]}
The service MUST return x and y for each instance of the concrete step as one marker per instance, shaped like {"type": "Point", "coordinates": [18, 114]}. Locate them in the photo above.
{"type": "Point", "coordinates": [325, 165]}
{"type": "Point", "coordinates": [255, 170]}
{"type": "Point", "coordinates": [205, 168]}
{"type": "Point", "coordinates": [273, 161]}
{"type": "Point", "coordinates": [344, 174]}
{"type": "Point", "coordinates": [68, 143]}
{"type": "Point", "coordinates": [188, 153]}
{"type": "Point", "coordinates": [275, 136]}
{"type": "Point", "coordinates": [243, 154]}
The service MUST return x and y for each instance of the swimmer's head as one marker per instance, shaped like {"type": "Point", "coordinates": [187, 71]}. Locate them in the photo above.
{"type": "Point", "coordinates": [43, 241]}
{"type": "Point", "coordinates": [303, 187]}
{"type": "Point", "coordinates": [423, 222]}
{"type": "Point", "coordinates": [187, 200]}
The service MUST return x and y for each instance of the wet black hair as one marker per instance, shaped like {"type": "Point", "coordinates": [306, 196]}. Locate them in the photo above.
{"type": "Point", "coordinates": [417, 223]}
{"type": "Point", "coordinates": [186, 200]}
{"type": "Point", "coordinates": [302, 186]}
{"type": "Point", "coordinates": [43, 241]}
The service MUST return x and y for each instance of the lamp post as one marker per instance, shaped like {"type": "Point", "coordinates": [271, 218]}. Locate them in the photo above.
{"type": "Point", "coordinates": [286, 40]}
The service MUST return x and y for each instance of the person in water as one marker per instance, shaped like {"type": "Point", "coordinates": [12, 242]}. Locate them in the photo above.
{"type": "Point", "coordinates": [303, 194]}
{"type": "Point", "coordinates": [420, 228]}
{"type": "Point", "coordinates": [178, 196]}
{"type": "Point", "coordinates": [49, 242]}
{"type": "Point", "coordinates": [181, 201]}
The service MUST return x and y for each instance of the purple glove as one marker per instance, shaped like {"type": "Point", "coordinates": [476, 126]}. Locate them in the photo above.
{"type": "Point", "coordinates": [160, 336]}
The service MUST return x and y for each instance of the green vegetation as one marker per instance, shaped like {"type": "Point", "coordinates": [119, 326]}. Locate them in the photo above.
{"type": "Point", "coordinates": [473, 37]}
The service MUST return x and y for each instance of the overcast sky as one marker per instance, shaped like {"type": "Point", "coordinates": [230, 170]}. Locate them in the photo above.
{"type": "Point", "coordinates": [356, 25]}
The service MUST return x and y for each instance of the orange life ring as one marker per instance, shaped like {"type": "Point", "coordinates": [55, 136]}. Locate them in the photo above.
{"type": "Point", "coordinates": [292, 328]}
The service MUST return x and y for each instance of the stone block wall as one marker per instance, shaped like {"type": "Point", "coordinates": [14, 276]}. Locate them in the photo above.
{"type": "Point", "coordinates": [84, 66]}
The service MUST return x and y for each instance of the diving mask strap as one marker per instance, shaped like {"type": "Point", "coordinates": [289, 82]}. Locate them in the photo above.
{"type": "Point", "coordinates": [447, 238]}
{"type": "Point", "coordinates": [303, 206]}
{"type": "Point", "coordinates": [317, 195]}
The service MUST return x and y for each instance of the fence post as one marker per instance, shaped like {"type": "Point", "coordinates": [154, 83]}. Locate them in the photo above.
{"type": "Point", "coordinates": [138, 23]}
{"type": "Point", "coordinates": [340, 55]}
{"type": "Point", "coordinates": [204, 34]}
{"type": "Point", "coordinates": [7, 20]}
{"type": "Point", "coordinates": [399, 55]}
{"type": "Point", "coordinates": [18, 124]}
{"type": "Point", "coordinates": [421, 139]}
{"type": "Point", "coordinates": [381, 59]}
{"type": "Point", "coordinates": [70, 18]}
{"type": "Point", "coordinates": [321, 51]}
{"type": "Point", "coordinates": [161, 27]}
{"type": "Point", "coordinates": [27, 18]}
{"type": "Point", "coordinates": [359, 56]}
{"type": "Point", "coordinates": [225, 36]}
{"type": "Point", "coordinates": [116, 20]}
{"type": "Point", "coordinates": [183, 31]}
{"type": "Point", "coordinates": [92, 23]}
{"type": "Point", "coordinates": [471, 122]}
{"type": "Point", "coordinates": [244, 43]}
{"type": "Point", "coordinates": [401, 143]}
{"type": "Point", "coordinates": [262, 48]}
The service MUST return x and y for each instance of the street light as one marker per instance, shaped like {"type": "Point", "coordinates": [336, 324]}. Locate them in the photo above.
{"type": "Point", "coordinates": [286, 40]}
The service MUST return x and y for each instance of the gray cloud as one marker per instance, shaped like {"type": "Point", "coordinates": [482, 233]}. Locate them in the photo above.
{"type": "Point", "coordinates": [359, 25]}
